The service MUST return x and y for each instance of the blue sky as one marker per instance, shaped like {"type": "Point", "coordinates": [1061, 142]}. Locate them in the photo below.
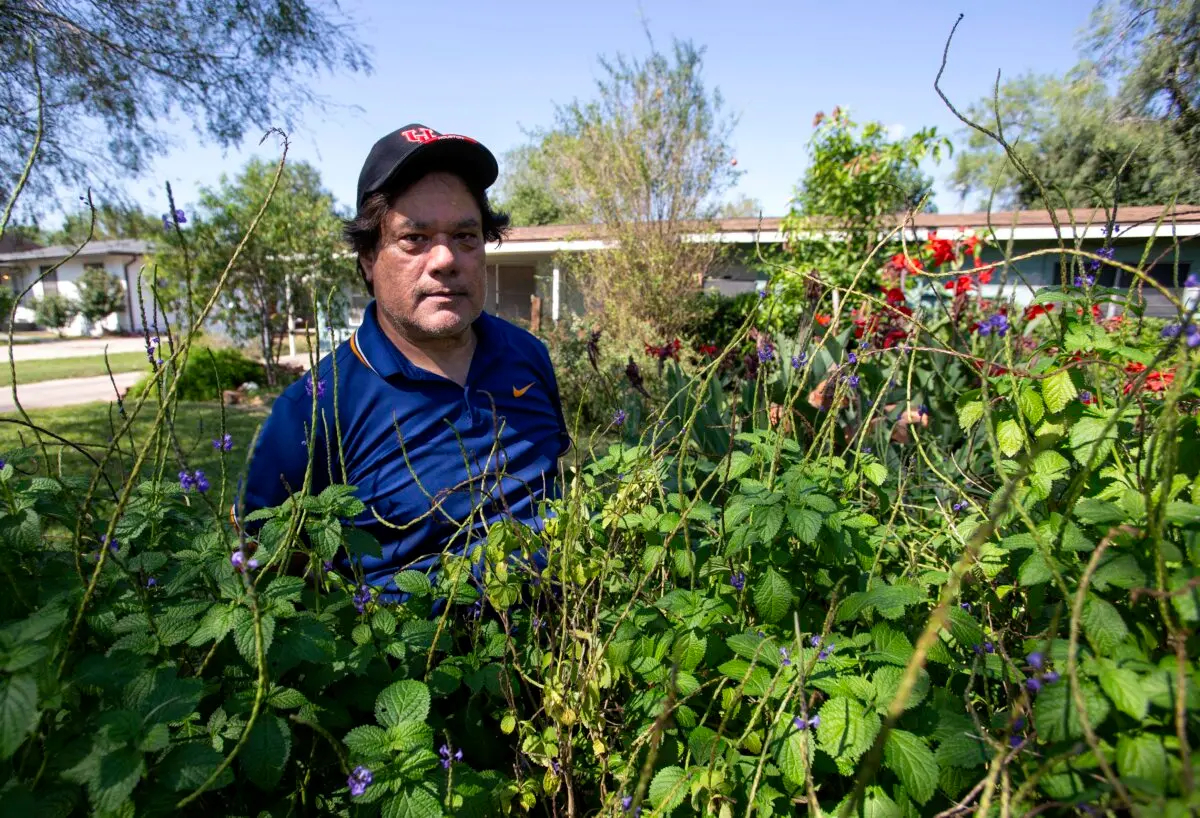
{"type": "Point", "coordinates": [492, 69]}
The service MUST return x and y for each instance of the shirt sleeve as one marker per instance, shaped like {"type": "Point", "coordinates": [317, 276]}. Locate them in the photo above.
{"type": "Point", "coordinates": [564, 433]}
{"type": "Point", "coordinates": [280, 458]}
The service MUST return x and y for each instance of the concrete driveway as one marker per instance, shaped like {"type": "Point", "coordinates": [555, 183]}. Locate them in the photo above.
{"type": "Point", "coordinates": [66, 392]}
{"type": "Point", "coordinates": [71, 348]}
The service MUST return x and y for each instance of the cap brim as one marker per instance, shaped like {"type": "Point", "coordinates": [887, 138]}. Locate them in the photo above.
{"type": "Point", "coordinates": [463, 156]}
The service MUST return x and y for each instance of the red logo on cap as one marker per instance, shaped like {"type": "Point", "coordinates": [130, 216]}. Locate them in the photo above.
{"type": "Point", "coordinates": [421, 135]}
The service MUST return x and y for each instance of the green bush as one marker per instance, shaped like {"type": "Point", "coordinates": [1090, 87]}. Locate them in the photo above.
{"type": "Point", "coordinates": [55, 311]}
{"type": "Point", "coordinates": [209, 371]}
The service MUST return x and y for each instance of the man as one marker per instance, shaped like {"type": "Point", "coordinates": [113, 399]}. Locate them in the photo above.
{"type": "Point", "coordinates": [443, 417]}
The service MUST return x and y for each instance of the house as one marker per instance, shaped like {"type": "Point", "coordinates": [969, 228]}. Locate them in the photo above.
{"type": "Point", "coordinates": [535, 260]}
{"type": "Point", "coordinates": [121, 258]}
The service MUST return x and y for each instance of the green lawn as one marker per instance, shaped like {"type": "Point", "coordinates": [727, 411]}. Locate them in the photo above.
{"type": "Point", "coordinates": [88, 427]}
{"type": "Point", "coordinates": [84, 366]}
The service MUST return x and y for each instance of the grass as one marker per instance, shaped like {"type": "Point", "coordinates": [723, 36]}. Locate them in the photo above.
{"type": "Point", "coordinates": [84, 366]}
{"type": "Point", "coordinates": [89, 426]}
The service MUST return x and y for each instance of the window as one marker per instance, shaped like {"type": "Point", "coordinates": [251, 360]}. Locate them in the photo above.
{"type": "Point", "coordinates": [49, 278]}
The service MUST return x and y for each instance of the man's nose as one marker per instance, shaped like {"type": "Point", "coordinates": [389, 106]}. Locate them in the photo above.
{"type": "Point", "coordinates": [441, 255]}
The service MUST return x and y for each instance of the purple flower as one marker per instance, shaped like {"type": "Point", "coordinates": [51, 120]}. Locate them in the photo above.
{"type": "Point", "coordinates": [815, 641]}
{"type": "Point", "coordinates": [448, 757]}
{"type": "Point", "coordinates": [826, 651]}
{"type": "Point", "coordinates": [1050, 677]}
{"type": "Point", "coordinates": [1170, 331]}
{"type": "Point", "coordinates": [784, 657]}
{"type": "Point", "coordinates": [626, 802]}
{"type": "Point", "coordinates": [814, 722]}
{"type": "Point", "coordinates": [1085, 396]}
{"type": "Point", "coordinates": [863, 345]}
{"type": "Point", "coordinates": [978, 649]}
{"type": "Point", "coordinates": [852, 381]}
{"type": "Point", "coordinates": [113, 545]}
{"type": "Point", "coordinates": [619, 417]}
{"type": "Point", "coordinates": [223, 443]}
{"type": "Point", "coordinates": [359, 780]}
{"type": "Point", "coordinates": [1193, 280]}
{"type": "Point", "coordinates": [960, 506]}
{"type": "Point", "coordinates": [1015, 741]}
{"type": "Point", "coordinates": [201, 481]}
{"type": "Point", "coordinates": [738, 581]}
{"type": "Point", "coordinates": [852, 358]}
{"type": "Point", "coordinates": [308, 386]}
{"type": "Point", "coordinates": [361, 597]}
{"type": "Point", "coordinates": [997, 323]}
{"type": "Point", "coordinates": [1193, 336]}
{"type": "Point", "coordinates": [185, 481]}
{"type": "Point", "coordinates": [988, 647]}
{"type": "Point", "coordinates": [762, 294]}
{"type": "Point", "coordinates": [237, 559]}
{"type": "Point", "coordinates": [766, 353]}
{"type": "Point", "coordinates": [180, 217]}
{"type": "Point", "coordinates": [1110, 229]}
{"type": "Point", "coordinates": [966, 606]}
{"type": "Point", "coordinates": [1092, 265]}
{"type": "Point", "coordinates": [799, 360]}
{"type": "Point", "coordinates": [1085, 280]}
{"type": "Point", "coordinates": [1036, 660]}
{"type": "Point", "coordinates": [867, 449]}
{"type": "Point", "coordinates": [799, 723]}
{"type": "Point", "coordinates": [150, 583]}
{"type": "Point", "coordinates": [1033, 685]}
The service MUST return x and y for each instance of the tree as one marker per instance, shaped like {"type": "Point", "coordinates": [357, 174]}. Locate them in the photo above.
{"type": "Point", "coordinates": [113, 221]}
{"type": "Point", "coordinates": [647, 161]}
{"type": "Point", "coordinates": [526, 190]}
{"type": "Point", "coordinates": [744, 207]}
{"type": "Point", "coordinates": [860, 182]}
{"type": "Point", "coordinates": [111, 72]}
{"type": "Point", "coordinates": [295, 250]}
{"type": "Point", "coordinates": [1070, 132]}
{"type": "Point", "coordinates": [1122, 127]}
{"type": "Point", "coordinates": [55, 311]}
{"type": "Point", "coordinates": [100, 295]}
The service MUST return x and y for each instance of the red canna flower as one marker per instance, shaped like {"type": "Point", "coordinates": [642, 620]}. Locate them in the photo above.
{"type": "Point", "coordinates": [942, 249]}
{"type": "Point", "coordinates": [1034, 310]}
{"type": "Point", "coordinates": [985, 277]}
{"type": "Point", "coordinates": [901, 262]}
{"type": "Point", "coordinates": [969, 245]}
{"type": "Point", "coordinates": [1158, 381]}
{"type": "Point", "coordinates": [708, 350]}
{"type": "Point", "coordinates": [1135, 368]}
{"type": "Point", "coordinates": [961, 285]}
{"type": "Point", "coordinates": [823, 319]}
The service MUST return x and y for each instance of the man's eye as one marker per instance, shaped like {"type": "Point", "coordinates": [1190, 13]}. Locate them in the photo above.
{"type": "Point", "coordinates": [412, 237]}
{"type": "Point", "coordinates": [467, 237]}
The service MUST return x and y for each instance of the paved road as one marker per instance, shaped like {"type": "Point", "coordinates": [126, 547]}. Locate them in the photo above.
{"type": "Point", "coordinates": [66, 392]}
{"type": "Point", "coordinates": [71, 348]}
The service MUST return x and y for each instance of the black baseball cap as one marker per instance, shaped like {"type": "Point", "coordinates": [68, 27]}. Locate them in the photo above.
{"type": "Point", "coordinates": [414, 146]}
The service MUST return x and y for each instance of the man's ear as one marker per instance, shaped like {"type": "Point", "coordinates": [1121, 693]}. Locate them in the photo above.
{"type": "Point", "coordinates": [366, 266]}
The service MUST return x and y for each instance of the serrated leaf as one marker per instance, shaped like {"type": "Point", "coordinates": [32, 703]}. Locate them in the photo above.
{"type": "Point", "coordinates": [1093, 511]}
{"type": "Point", "coordinates": [846, 730]}
{"type": "Point", "coordinates": [1118, 570]}
{"type": "Point", "coordinates": [969, 414]}
{"type": "Point", "coordinates": [118, 773]}
{"type": "Point", "coordinates": [189, 765]}
{"type": "Point", "coordinates": [875, 472]}
{"type": "Point", "coordinates": [1010, 436]}
{"type": "Point", "coordinates": [1124, 687]}
{"type": "Point", "coordinates": [793, 749]}
{"type": "Point", "coordinates": [244, 634]}
{"type": "Point", "coordinates": [412, 803]}
{"type": "Point", "coordinates": [1055, 716]}
{"type": "Point", "coordinates": [805, 523]}
{"type": "Point", "coordinates": [1034, 571]}
{"type": "Point", "coordinates": [889, 600]}
{"type": "Point", "coordinates": [1142, 763]}
{"type": "Point", "coordinates": [910, 758]}
{"type": "Point", "coordinates": [18, 711]}
{"type": "Point", "coordinates": [266, 752]}
{"type": "Point", "coordinates": [889, 645]}
{"type": "Point", "coordinates": [406, 700]}
{"type": "Point", "coordinates": [773, 596]}
{"type": "Point", "coordinates": [413, 582]}
{"type": "Point", "coordinates": [667, 789]}
{"type": "Point", "coordinates": [875, 804]}
{"type": "Point", "coordinates": [758, 680]}
{"type": "Point", "coordinates": [1058, 390]}
{"type": "Point", "coordinates": [1103, 624]}
{"type": "Point", "coordinates": [1030, 404]}
{"type": "Point", "coordinates": [360, 543]}
{"type": "Point", "coordinates": [1092, 439]}
{"type": "Point", "coordinates": [1051, 464]}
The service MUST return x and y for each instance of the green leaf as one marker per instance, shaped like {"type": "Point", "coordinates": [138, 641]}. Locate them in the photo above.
{"type": "Point", "coordinates": [758, 681]}
{"type": "Point", "coordinates": [1092, 511]}
{"type": "Point", "coordinates": [773, 596]}
{"type": "Point", "coordinates": [1051, 464]}
{"type": "Point", "coordinates": [1030, 403]}
{"type": "Point", "coordinates": [1010, 436]}
{"type": "Point", "coordinates": [1124, 687]}
{"type": "Point", "coordinates": [1103, 624]}
{"type": "Point", "coordinates": [889, 600]}
{"type": "Point", "coordinates": [667, 789]}
{"type": "Point", "coordinates": [889, 645]}
{"type": "Point", "coordinates": [969, 414]}
{"type": "Point", "coordinates": [1142, 763]}
{"type": "Point", "coordinates": [846, 730]}
{"type": "Point", "coordinates": [406, 700]}
{"type": "Point", "coordinates": [325, 536]}
{"type": "Point", "coordinates": [1034, 571]}
{"type": "Point", "coordinates": [875, 804]}
{"type": "Point", "coordinates": [18, 711]}
{"type": "Point", "coordinates": [119, 772]}
{"type": "Point", "coordinates": [1118, 570]}
{"type": "Point", "coordinates": [217, 622]}
{"type": "Point", "coordinates": [1058, 390]}
{"type": "Point", "coordinates": [413, 582]}
{"type": "Point", "coordinates": [266, 752]}
{"type": "Point", "coordinates": [1092, 439]}
{"type": "Point", "coordinates": [910, 758]}
{"type": "Point", "coordinates": [876, 472]}
{"type": "Point", "coordinates": [1055, 716]}
{"type": "Point", "coordinates": [793, 749]}
{"type": "Point", "coordinates": [416, 802]}
{"type": "Point", "coordinates": [368, 741]}
{"type": "Point", "coordinates": [362, 544]}
{"type": "Point", "coordinates": [189, 765]}
{"type": "Point", "coordinates": [244, 634]}
{"type": "Point", "coordinates": [805, 523]}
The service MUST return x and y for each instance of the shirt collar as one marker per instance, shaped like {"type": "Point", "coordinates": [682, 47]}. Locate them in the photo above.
{"type": "Point", "coordinates": [371, 345]}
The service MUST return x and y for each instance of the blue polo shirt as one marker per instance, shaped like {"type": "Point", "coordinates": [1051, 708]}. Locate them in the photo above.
{"type": "Point", "coordinates": [414, 442]}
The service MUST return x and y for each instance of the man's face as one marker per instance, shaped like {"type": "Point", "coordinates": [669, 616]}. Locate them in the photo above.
{"type": "Point", "coordinates": [428, 268]}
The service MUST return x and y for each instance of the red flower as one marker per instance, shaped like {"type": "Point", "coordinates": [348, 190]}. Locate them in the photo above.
{"type": "Point", "coordinates": [942, 249]}
{"type": "Point", "coordinates": [1095, 312]}
{"type": "Point", "coordinates": [1034, 310]}
{"type": "Point", "coordinates": [985, 277]}
{"type": "Point", "coordinates": [961, 285]}
{"type": "Point", "coordinates": [824, 320]}
{"type": "Point", "coordinates": [969, 245]}
{"type": "Point", "coordinates": [709, 350]}
{"type": "Point", "coordinates": [893, 337]}
{"type": "Point", "coordinates": [1135, 368]}
{"type": "Point", "coordinates": [901, 261]}
{"type": "Point", "coordinates": [667, 350]}
{"type": "Point", "coordinates": [1159, 381]}
{"type": "Point", "coordinates": [895, 296]}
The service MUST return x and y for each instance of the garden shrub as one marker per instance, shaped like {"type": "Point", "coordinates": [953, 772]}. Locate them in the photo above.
{"type": "Point", "coordinates": [208, 372]}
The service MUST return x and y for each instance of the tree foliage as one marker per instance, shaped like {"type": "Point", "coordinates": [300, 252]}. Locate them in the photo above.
{"type": "Point", "coordinates": [54, 311]}
{"type": "Point", "coordinates": [860, 181]}
{"type": "Point", "coordinates": [647, 161]}
{"type": "Point", "coordinates": [294, 252]}
{"type": "Point", "coordinates": [526, 190]}
{"type": "Point", "coordinates": [100, 295]}
{"type": "Point", "coordinates": [1123, 126]}
{"type": "Point", "coordinates": [114, 220]}
{"type": "Point", "coordinates": [112, 73]}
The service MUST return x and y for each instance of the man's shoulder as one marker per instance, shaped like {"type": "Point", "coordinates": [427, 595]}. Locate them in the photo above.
{"type": "Point", "coordinates": [341, 361]}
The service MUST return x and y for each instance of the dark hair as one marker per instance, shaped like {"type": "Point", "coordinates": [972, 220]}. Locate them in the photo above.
{"type": "Point", "coordinates": [363, 231]}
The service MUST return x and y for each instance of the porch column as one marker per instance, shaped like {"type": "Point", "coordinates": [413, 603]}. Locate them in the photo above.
{"type": "Point", "coordinates": [554, 284]}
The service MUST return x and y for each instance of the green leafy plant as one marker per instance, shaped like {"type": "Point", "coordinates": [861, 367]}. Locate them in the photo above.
{"type": "Point", "coordinates": [54, 311]}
